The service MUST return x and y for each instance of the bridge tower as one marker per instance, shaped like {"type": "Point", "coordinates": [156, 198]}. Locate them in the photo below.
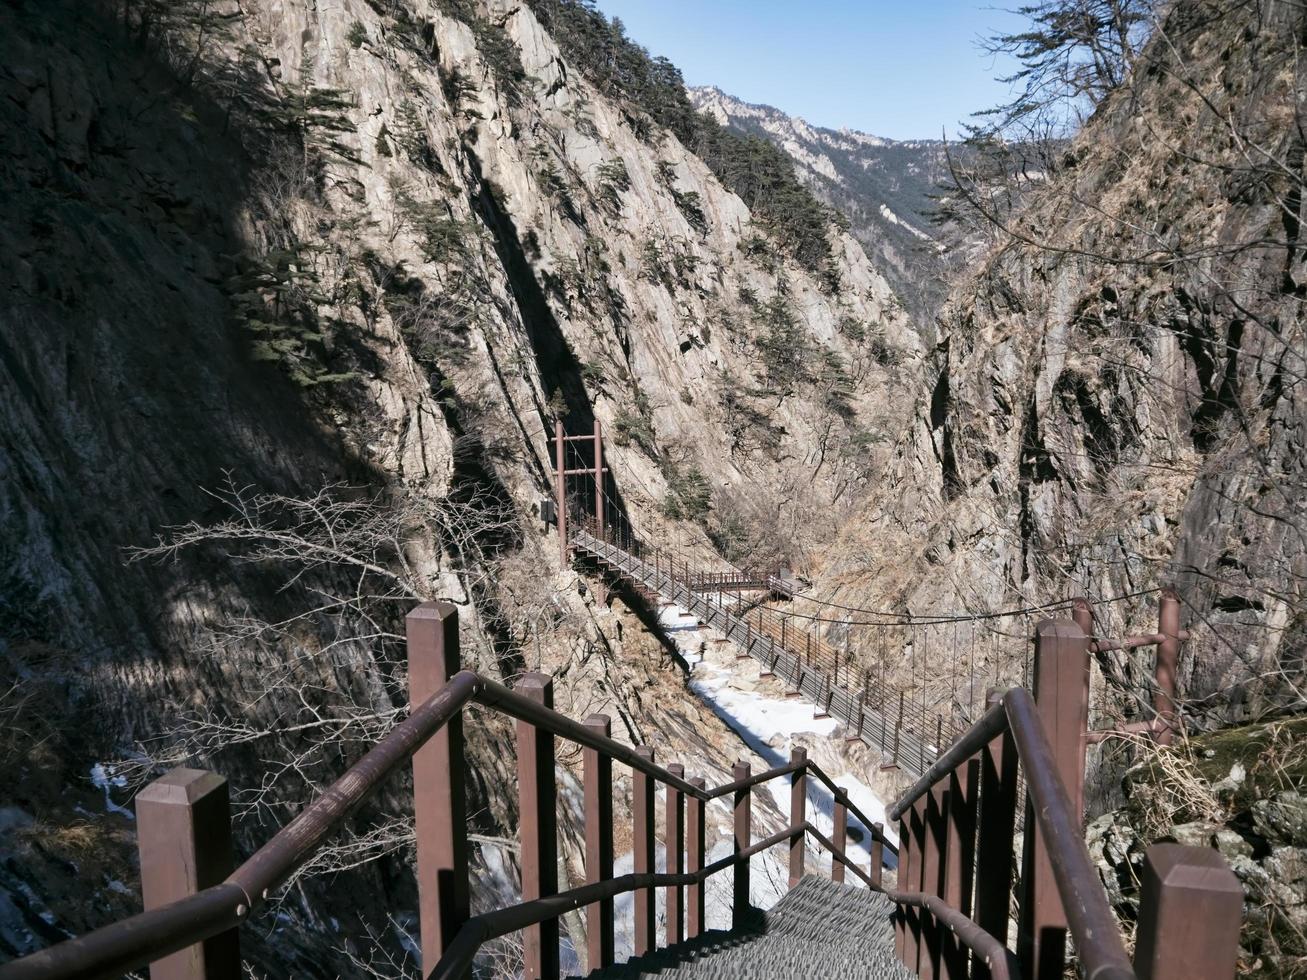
{"type": "Point", "coordinates": [597, 469]}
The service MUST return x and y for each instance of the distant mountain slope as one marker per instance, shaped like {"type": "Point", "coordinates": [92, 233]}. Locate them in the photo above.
{"type": "Point", "coordinates": [883, 186]}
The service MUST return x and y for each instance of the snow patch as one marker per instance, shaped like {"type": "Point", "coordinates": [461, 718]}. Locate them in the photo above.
{"type": "Point", "coordinates": [104, 779]}
{"type": "Point", "coordinates": [767, 725]}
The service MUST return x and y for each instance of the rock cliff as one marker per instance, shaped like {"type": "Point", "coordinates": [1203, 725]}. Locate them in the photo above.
{"type": "Point", "coordinates": [332, 269]}
{"type": "Point", "coordinates": [1116, 400]}
{"type": "Point", "coordinates": [885, 188]}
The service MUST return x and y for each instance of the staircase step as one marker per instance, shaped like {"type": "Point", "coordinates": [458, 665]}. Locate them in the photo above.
{"type": "Point", "coordinates": [819, 929]}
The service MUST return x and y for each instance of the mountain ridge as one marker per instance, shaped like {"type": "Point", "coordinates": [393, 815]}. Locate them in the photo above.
{"type": "Point", "coordinates": [884, 187]}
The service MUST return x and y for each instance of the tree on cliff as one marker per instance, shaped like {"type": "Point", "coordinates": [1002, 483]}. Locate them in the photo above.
{"type": "Point", "coordinates": [1072, 55]}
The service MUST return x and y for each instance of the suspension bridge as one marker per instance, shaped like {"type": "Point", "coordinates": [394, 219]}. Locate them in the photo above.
{"type": "Point", "coordinates": [908, 728]}
{"type": "Point", "coordinates": [990, 878]}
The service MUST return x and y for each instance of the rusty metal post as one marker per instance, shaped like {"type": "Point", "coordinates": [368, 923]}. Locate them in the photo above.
{"type": "Point", "coordinates": [898, 727]}
{"type": "Point", "coordinates": [840, 821]}
{"type": "Point", "coordinates": [877, 848]}
{"type": "Point", "coordinates": [694, 846]}
{"type": "Point", "coordinates": [798, 813]}
{"type": "Point", "coordinates": [599, 477]}
{"type": "Point", "coordinates": [439, 789]}
{"type": "Point", "coordinates": [598, 844]}
{"type": "Point", "coordinates": [1082, 614]}
{"type": "Point", "coordinates": [183, 824]}
{"type": "Point", "coordinates": [560, 489]}
{"type": "Point", "coordinates": [1061, 694]}
{"type": "Point", "coordinates": [642, 841]}
{"type": "Point", "coordinates": [674, 836]}
{"type": "Point", "coordinates": [995, 834]}
{"type": "Point", "coordinates": [743, 837]}
{"type": "Point", "coordinates": [959, 861]}
{"type": "Point", "coordinates": [1168, 656]}
{"type": "Point", "coordinates": [1190, 907]}
{"type": "Point", "coordinates": [538, 815]}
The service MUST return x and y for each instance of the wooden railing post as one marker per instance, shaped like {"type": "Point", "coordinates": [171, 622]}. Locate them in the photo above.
{"type": "Point", "coordinates": [538, 816]}
{"type": "Point", "coordinates": [439, 793]}
{"type": "Point", "coordinates": [995, 835]}
{"type": "Point", "coordinates": [877, 849]}
{"type": "Point", "coordinates": [840, 830]}
{"type": "Point", "coordinates": [798, 813]}
{"type": "Point", "coordinates": [1190, 907]}
{"type": "Point", "coordinates": [959, 862]}
{"type": "Point", "coordinates": [674, 847]}
{"type": "Point", "coordinates": [694, 845]}
{"type": "Point", "coordinates": [1168, 656]}
{"type": "Point", "coordinates": [914, 945]}
{"type": "Point", "coordinates": [183, 824]}
{"type": "Point", "coordinates": [932, 883]}
{"type": "Point", "coordinates": [743, 837]}
{"type": "Point", "coordinates": [1062, 697]}
{"type": "Point", "coordinates": [598, 844]}
{"type": "Point", "coordinates": [642, 806]}
{"type": "Point", "coordinates": [1082, 614]}
{"type": "Point", "coordinates": [903, 877]}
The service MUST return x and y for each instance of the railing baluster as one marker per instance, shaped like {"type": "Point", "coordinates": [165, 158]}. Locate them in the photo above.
{"type": "Point", "coordinates": [674, 840]}
{"type": "Point", "coordinates": [1061, 689]}
{"type": "Point", "coordinates": [439, 793]}
{"type": "Point", "coordinates": [598, 844]}
{"type": "Point", "coordinates": [914, 946]}
{"type": "Point", "coordinates": [798, 813]}
{"type": "Point", "coordinates": [959, 861]}
{"type": "Point", "coordinates": [840, 820]}
{"type": "Point", "coordinates": [1190, 907]}
{"type": "Point", "coordinates": [877, 849]}
{"type": "Point", "coordinates": [694, 845]}
{"type": "Point", "coordinates": [932, 883]}
{"type": "Point", "coordinates": [538, 817]}
{"type": "Point", "coordinates": [904, 875]}
{"type": "Point", "coordinates": [743, 837]}
{"type": "Point", "coordinates": [642, 805]}
{"type": "Point", "coordinates": [183, 825]}
{"type": "Point", "coordinates": [995, 834]}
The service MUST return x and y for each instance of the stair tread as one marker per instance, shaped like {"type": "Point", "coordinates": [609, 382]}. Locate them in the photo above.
{"type": "Point", "coordinates": [818, 929]}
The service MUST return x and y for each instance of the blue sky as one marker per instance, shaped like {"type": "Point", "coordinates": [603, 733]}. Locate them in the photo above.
{"type": "Point", "coordinates": [903, 70]}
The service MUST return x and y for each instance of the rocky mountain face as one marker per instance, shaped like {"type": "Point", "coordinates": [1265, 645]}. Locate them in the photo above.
{"type": "Point", "coordinates": [1242, 791]}
{"type": "Point", "coordinates": [299, 288]}
{"type": "Point", "coordinates": [884, 188]}
{"type": "Point", "coordinates": [1116, 400]}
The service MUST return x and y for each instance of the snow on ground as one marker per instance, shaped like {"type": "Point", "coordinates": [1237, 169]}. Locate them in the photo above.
{"type": "Point", "coordinates": [103, 778]}
{"type": "Point", "coordinates": [767, 724]}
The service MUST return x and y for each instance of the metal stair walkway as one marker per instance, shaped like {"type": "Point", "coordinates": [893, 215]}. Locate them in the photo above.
{"type": "Point", "coordinates": [819, 929]}
{"type": "Point", "coordinates": [912, 753]}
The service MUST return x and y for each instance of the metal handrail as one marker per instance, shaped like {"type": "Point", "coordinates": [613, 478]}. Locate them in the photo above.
{"type": "Point", "coordinates": [1093, 927]}
{"type": "Point", "coordinates": [138, 940]}
{"type": "Point", "coordinates": [490, 925]}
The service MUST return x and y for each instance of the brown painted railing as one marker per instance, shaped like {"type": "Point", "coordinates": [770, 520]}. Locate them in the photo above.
{"type": "Point", "coordinates": [195, 904]}
{"type": "Point", "coordinates": [957, 829]}
{"type": "Point", "coordinates": [953, 886]}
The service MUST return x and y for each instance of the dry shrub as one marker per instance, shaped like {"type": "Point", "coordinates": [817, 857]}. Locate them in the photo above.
{"type": "Point", "coordinates": [74, 839]}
